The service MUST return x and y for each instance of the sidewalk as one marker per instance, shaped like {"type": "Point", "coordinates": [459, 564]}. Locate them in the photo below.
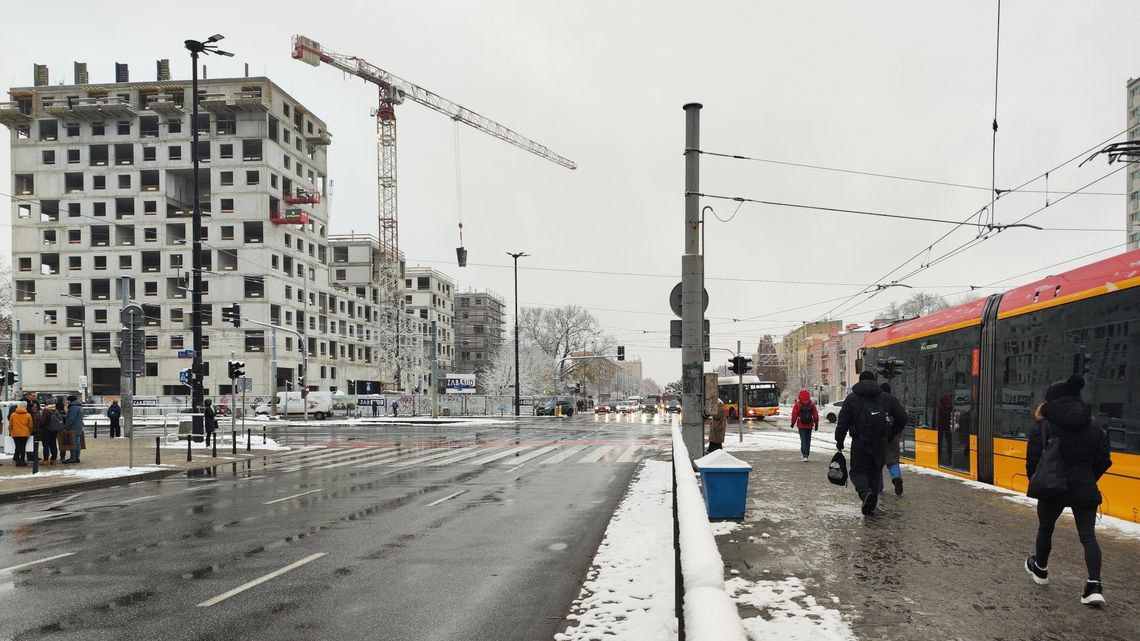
{"type": "Point", "coordinates": [944, 560]}
{"type": "Point", "coordinates": [105, 464]}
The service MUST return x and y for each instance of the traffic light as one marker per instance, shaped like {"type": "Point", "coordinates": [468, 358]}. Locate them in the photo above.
{"type": "Point", "coordinates": [733, 364]}
{"type": "Point", "coordinates": [235, 315]}
{"type": "Point", "coordinates": [621, 352]}
{"type": "Point", "coordinates": [351, 386]}
{"type": "Point", "coordinates": [890, 367]}
{"type": "Point", "coordinates": [745, 365]}
{"type": "Point", "coordinates": [236, 369]}
{"type": "Point", "coordinates": [11, 377]}
{"type": "Point", "coordinates": [186, 377]}
{"type": "Point", "coordinates": [577, 388]}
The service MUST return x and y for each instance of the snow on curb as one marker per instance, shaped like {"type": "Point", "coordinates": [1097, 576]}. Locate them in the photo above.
{"type": "Point", "coordinates": [789, 612]}
{"type": "Point", "coordinates": [629, 591]}
{"type": "Point", "coordinates": [89, 473]}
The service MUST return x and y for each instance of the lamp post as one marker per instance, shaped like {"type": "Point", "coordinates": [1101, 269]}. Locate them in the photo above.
{"type": "Point", "coordinates": [83, 341]}
{"type": "Point", "coordinates": [517, 256]}
{"type": "Point", "coordinates": [196, 392]}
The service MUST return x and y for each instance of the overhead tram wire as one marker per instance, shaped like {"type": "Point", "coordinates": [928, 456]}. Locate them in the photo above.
{"type": "Point", "coordinates": [993, 144]}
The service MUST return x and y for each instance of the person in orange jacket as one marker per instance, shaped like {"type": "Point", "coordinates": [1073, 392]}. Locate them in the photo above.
{"type": "Point", "coordinates": [805, 416]}
{"type": "Point", "coordinates": [20, 429]}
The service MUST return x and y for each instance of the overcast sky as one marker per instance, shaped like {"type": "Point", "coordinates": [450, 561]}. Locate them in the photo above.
{"type": "Point", "coordinates": [899, 88]}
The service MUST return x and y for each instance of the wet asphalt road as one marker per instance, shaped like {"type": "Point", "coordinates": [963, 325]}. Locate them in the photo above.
{"type": "Point", "coordinates": [376, 532]}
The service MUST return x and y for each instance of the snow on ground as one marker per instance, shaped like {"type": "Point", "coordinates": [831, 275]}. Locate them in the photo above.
{"type": "Point", "coordinates": [628, 593]}
{"type": "Point", "coordinates": [788, 612]}
{"type": "Point", "coordinates": [80, 472]}
{"type": "Point", "coordinates": [1127, 528]}
{"type": "Point", "coordinates": [772, 438]}
{"type": "Point", "coordinates": [172, 442]}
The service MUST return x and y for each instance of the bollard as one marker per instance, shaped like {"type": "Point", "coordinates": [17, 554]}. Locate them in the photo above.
{"type": "Point", "coordinates": [36, 460]}
{"type": "Point", "coordinates": [188, 441]}
{"type": "Point", "coordinates": [214, 442]}
{"type": "Point", "coordinates": [263, 435]}
{"type": "Point", "coordinates": [233, 441]}
{"type": "Point", "coordinates": [96, 430]}
{"type": "Point", "coordinates": [248, 440]}
{"type": "Point", "coordinates": [158, 450]}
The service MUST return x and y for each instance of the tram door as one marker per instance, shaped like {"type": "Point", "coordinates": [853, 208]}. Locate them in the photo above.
{"type": "Point", "coordinates": [950, 389]}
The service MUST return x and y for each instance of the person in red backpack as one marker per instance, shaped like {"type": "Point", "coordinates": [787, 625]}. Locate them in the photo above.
{"type": "Point", "coordinates": [806, 417]}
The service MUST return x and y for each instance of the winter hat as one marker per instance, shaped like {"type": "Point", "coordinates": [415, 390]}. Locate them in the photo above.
{"type": "Point", "coordinates": [867, 376]}
{"type": "Point", "coordinates": [886, 387]}
{"type": "Point", "coordinates": [72, 398]}
{"type": "Point", "coordinates": [1071, 386]}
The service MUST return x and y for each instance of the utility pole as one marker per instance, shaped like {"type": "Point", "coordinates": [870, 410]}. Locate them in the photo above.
{"type": "Point", "coordinates": [692, 292]}
{"type": "Point", "coordinates": [741, 406]}
{"type": "Point", "coordinates": [273, 374]}
{"type": "Point", "coordinates": [434, 375]}
{"type": "Point", "coordinates": [233, 392]}
{"type": "Point", "coordinates": [305, 351]}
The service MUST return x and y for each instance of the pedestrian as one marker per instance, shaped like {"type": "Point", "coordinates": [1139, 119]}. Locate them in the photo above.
{"type": "Point", "coordinates": [48, 425]}
{"type": "Point", "coordinates": [20, 429]}
{"type": "Point", "coordinates": [375, 408]}
{"type": "Point", "coordinates": [717, 427]}
{"type": "Point", "coordinates": [113, 414]}
{"type": "Point", "coordinates": [1083, 456]}
{"type": "Point", "coordinates": [893, 453]}
{"type": "Point", "coordinates": [74, 423]}
{"type": "Point", "coordinates": [805, 416]}
{"type": "Point", "coordinates": [209, 421]}
{"type": "Point", "coordinates": [871, 418]}
{"type": "Point", "coordinates": [395, 407]}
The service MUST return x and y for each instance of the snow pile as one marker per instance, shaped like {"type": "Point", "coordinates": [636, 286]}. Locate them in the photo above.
{"type": "Point", "coordinates": [709, 613]}
{"type": "Point", "coordinates": [788, 612]}
{"type": "Point", "coordinates": [88, 473]}
{"type": "Point", "coordinates": [721, 460]}
{"type": "Point", "coordinates": [629, 592]}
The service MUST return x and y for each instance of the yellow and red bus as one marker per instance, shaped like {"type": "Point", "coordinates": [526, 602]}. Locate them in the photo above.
{"type": "Point", "coordinates": [972, 376]}
{"type": "Point", "coordinates": [761, 398]}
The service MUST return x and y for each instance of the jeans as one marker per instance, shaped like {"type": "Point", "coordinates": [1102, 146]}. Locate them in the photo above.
{"type": "Point", "coordinates": [805, 442]}
{"type": "Point", "coordinates": [867, 460]}
{"type": "Point", "coordinates": [51, 447]}
{"type": "Point", "coordinates": [78, 446]}
{"type": "Point", "coordinates": [1047, 514]}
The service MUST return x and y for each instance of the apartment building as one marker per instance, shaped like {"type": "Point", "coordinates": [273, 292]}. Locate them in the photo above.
{"type": "Point", "coordinates": [841, 350]}
{"type": "Point", "coordinates": [801, 349]}
{"type": "Point", "coordinates": [103, 181]}
{"type": "Point", "coordinates": [479, 330]}
{"type": "Point", "coordinates": [1132, 178]}
{"type": "Point", "coordinates": [429, 296]}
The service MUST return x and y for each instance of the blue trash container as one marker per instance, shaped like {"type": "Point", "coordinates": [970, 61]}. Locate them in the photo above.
{"type": "Point", "coordinates": [724, 484]}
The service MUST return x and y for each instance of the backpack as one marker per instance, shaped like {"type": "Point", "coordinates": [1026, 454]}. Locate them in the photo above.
{"type": "Point", "coordinates": [1048, 482]}
{"type": "Point", "coordinates": [874, 422]}
{"type": "Point", "coordinates": [837, 469]}
{"type": "Point", "coordinates": [56, 423]}
{"type": "Point", "coordinates": [806, 414]}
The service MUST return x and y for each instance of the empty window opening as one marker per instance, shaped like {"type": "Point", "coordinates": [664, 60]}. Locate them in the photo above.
{"type": "Point", "coordinates": [49, 129]}
{"type": "Point", "coordinates": [148, 180]}
{"type": "Point", "coordinates": [98, 155]}
{"type": "Point", "coordinates": [251, 150]}
{"type": "Point", "coordinates": [26, 183]}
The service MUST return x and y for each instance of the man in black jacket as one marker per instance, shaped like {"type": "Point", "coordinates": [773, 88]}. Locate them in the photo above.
{"type": "Point", "coordinates": [872, 418]}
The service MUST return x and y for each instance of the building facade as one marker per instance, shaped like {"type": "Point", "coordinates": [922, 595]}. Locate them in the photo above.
{"type": "Point", "coordinates": [103, 181]}
{"type": "Point", "coordinates": [801, 351]}
{"type": "Point", "coordinates": [1132, 178]}
{"type": "Point", "coordinates": [842, 354]}
{"type": "Point", "coordinates": [479, 329]}
{"type": "Point", "coordinates": [429, 296]}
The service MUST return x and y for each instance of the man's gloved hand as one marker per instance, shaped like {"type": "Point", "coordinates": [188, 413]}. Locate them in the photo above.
{"type": "Point", "coordinates": [839, 446]}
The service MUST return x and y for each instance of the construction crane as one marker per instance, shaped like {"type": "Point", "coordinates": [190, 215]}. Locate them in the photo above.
{"type": "Point", "coordinates": [393, 91]}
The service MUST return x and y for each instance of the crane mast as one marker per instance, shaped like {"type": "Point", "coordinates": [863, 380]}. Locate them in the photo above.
{"type": "Point", "coordinates": [399, 334]}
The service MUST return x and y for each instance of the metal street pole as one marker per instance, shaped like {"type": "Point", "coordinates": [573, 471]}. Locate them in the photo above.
{"type": "Point", "coordinates": [692, 292]}
{"type": "Point", "coordinates": [516, 256]}
{"type": "Point", "coordinates": [233, 398]}
{"type": "Point", "coordinates": [741, 406]}
{"type": "Point", "coordinates": [273, 375]}
{"type": "Point", "coordinates": [305, 350]}
{"type": "Point", "coordinates": [83, 341]}
{"type": "Point", "coordinates": [434, 374]}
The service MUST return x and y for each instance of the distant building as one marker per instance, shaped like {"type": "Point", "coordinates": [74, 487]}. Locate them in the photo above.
{"type": "Point", "coordinates": [478, 331]}
{"type": "Point", "coordinates": [1132, 178]}
{"type": "Point", "coordinates": [801, 350]}
{"type": "Point", "coordinates": [429, 296]}
{"type": "Point", "coordinates": [842, 353]}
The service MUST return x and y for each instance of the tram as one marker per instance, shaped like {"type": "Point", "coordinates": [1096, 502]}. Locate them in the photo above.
{"type": "Point", "coordinates": [761, 398]}
{"type": "Point", "coordinates": [972, 376]}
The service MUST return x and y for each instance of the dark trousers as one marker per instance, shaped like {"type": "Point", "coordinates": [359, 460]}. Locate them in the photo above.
{"type": "Point", "coordinates": [713, 447]}
{"type": "Point", "coordinates": [116, 431]}
{"type": "Point", "coordinates": [20, 455]}
{"type": "Point", "coordinates": [1047, 514]}
{"type": "Point", "coordinates": [51, 447]}
{"type": "Point", "coordinates": [805, 441]}
{"type": "Point", "coordinates": [867, 460]}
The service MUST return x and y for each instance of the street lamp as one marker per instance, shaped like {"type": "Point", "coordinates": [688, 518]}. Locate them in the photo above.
{"type": "Point", "coordinates": [517, 257]}
{"type": "Point", "coordinates": [83, 341]}
{"type": "Point", "coordinates": [196, 393]}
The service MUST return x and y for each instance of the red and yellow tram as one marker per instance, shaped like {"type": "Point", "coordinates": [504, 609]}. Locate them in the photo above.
{"type": "Point", "coordinates": [971, 376]}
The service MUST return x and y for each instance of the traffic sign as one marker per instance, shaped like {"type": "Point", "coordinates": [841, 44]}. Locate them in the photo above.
{"type": "Point", "coordinates": [675, 299]}
{"type": "Point", "coordinates": [185, 353]}
{"type": "Point", "coordinates": [131, 316]}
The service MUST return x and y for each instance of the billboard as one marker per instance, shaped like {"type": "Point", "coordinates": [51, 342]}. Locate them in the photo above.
{"type": "Point", "coordinates": [460, 384]}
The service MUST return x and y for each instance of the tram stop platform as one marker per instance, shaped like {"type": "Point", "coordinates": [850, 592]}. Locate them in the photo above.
{"type": "Point", "coordinates": [942, 561]}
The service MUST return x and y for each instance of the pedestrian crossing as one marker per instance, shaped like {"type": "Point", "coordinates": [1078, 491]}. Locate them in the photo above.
{"type": "Point", "coordinates": [398, 458]}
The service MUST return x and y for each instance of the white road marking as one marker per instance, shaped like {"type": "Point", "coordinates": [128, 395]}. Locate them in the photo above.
{"type": "Point", "coordinates": [596, 455]}
{"type": "Point", "coordinates": [531, 455]}
{"type": "Point", "coordinates": [256, 582]}
{"type": "Point", "coordinates": [475, 451]}
{"type": "Point", "coordinates": [373, 456]}
{"type": "Point", "coordinates": [498, 455]}
{"type": "Point", "coordinates": [562, 456]}
{"type": "Point", "coordinates": [289, 497]}
{"type": "Point", "coordinates": [29, 563]}
{"type": "Point", "coordinates": [424, 459]}
{"type": "Point", "coordinates": [628, 454]}
{"type": "Point", "coordinates": [446, 498]}
{"type": "Point", "coordinates": [62, 501]}
{"type": "Point", "coordinates": [140, 499]}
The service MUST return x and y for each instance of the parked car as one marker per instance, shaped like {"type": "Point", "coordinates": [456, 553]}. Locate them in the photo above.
{"type": "Point", "coordinates": [547, 409]}
{"type": "Point", "coordinates": [673, 407]}
{"type": "Point", "coordinates": [830, 411]}
{"type": "Point", "coordinates": [602, 408]}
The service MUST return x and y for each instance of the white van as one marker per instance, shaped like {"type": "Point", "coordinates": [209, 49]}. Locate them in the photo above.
{"type": "Point", "coordinates": [319, 405]}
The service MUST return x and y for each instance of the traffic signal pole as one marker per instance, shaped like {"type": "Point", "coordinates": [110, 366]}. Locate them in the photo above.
{"type": "Point", "coordinates": [740, 405]}
{"type": "Point", "coordinates": [233, 393]}
{"type": "Point", "coordinates": [692, 293]}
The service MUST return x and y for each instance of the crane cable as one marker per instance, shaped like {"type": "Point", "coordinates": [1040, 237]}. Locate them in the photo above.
{"type": "Point", "coordinates": [458, 183]}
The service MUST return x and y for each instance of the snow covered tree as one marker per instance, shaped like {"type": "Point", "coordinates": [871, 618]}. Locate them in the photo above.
{"type": "Point", "coordinates": [919, 304]}
{"type": "Point", "coordinates": [561, 332]}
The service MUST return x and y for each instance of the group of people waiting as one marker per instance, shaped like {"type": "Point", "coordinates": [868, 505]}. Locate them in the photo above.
{"type": "Point", "coordinates": [55, 429]}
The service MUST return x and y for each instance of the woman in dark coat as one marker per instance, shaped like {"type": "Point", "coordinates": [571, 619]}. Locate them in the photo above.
{"type": "Point", "coordinates": [1084, 458]}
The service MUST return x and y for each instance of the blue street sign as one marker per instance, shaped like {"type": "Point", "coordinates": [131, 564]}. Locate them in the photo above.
{"type": "Point", "coordinates": [185, 353]}
{"type": "Point", "coordinates": [182, 376]}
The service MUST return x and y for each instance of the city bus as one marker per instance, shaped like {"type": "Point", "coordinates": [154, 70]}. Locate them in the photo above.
{"type": "Point", "coordinates": [761, 398]}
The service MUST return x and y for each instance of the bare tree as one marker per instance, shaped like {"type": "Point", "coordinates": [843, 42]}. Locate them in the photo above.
{"type": "Point", "coordinates": [561, 332]}
{"type": "Point", "coordinates": [768, 365]}
{"type": "Point", "coordinates": [6, 337]}
{"type": "Point", "coordinates": [536, 370]}
{"type": "Point", "coordinates": [919, 304]}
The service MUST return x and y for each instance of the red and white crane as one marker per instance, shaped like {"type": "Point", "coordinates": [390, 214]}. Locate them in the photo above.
{"type": "Point", "coordinates": [393, 91]}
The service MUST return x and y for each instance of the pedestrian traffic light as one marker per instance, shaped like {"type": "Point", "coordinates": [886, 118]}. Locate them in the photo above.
{"type": "Point", "coordinates": [236, 369]}
{"type": "Point", "coordinates": [621, 352]}
{"type": "Point", "coordinates": [11, 377]}
{"type": "Point", "coordinates": [186, 377]}
{"type": "Point", "coordinates": [236, 315]}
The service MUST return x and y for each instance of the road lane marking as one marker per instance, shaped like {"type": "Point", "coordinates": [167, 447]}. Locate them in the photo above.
{"type": "Point", "coordinates": [377, 455]}
{"type": "Point", "coordinates": [289, 497]}
{"type": "Point", "coordinates": [446, 498]}
{"type": "Point", "coordinates": [628, 454]}
{"type": "Point", "coordinates": [425, 459]}
{"type": "Point", "coordinates": [60, 502]}
{"type": "Point", "coordinates": [30, 563]}
{"type": "Point", "coordinates": [562, 456]}
{"type": "Point", "coordinates": [530, 455]}
{"type": "Point", "coordinates": [140, 499]}
{"type": "Point", "coordinates": [256, 582]}
{"type": "Point", "coordinates": [475, 451]}
{"type": "Point", "coordinates": [596, 455]}
{"type": "Point", "coordinates": [494, 457]}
